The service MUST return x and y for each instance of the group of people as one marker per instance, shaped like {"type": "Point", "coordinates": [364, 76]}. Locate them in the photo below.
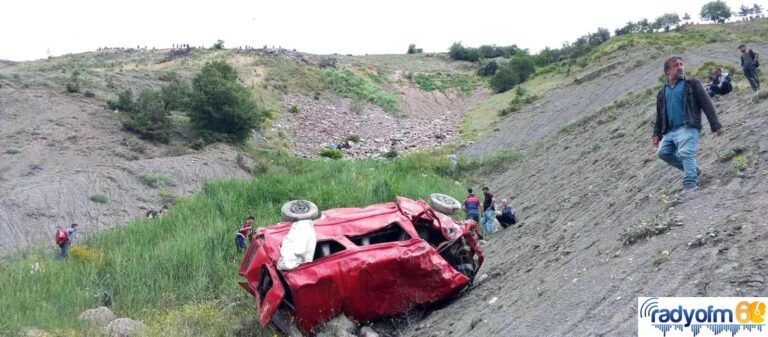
{"type": "Point", "coordinates": [720, 82]}
{"type": "Point", "coordinates": [679, 105]}
{"type": "Point", "coordinates": [472, 208]}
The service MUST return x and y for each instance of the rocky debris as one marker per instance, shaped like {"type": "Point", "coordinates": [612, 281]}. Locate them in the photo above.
{"type": "Point", "coordinates": [698, 241]}
{"type": "Point", "coordinates": [339, 326]}
{"type": "Point", "coordinates": [100, 316]}
{"type": "Point", "coordinates": [125, 327]}
{"type": "Point", "coordinates": [367, 331]}
{"type": "Point", "coordinates": [328, 123]}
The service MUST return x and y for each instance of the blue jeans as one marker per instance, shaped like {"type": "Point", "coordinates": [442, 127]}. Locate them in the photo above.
{"type": "Point", "coordinates": [473, 215]}
{"type": "Point", "coordinates": [750, 72]}
{"type": "Point", "coordinates": [487, 221]}
{"type": "Point", "coordinates": [64, 250]}
{"type": "Point", "coordinates": [678, 148]}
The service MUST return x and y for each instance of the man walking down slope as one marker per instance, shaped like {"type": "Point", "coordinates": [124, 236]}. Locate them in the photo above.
{"type": "Point", "coordinates": [678, 121]}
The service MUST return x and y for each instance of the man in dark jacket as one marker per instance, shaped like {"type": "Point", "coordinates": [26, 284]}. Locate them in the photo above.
{"type": "Point", "coordinates": [750, 63]}
{"type": "Point", "coordinates": [678, 121]}
{"type": "Point", "coordinates": [720, 84]}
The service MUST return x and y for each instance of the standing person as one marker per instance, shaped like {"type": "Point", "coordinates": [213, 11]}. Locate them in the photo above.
{"type": "Point", "coordinates": [750, 63]}
{"type": "Point", "coordinates": [678, 121]}
{"type": "Point", "coordinates": [488, 210]}
{"type": "Point", "coordinates": [507, 217]}
{"type": "Point", "coordinates": [472, 206]}
{"type": "Point", "coordinates": [242, 233]}
{"type": "Point", "coordinates": [64, 238]}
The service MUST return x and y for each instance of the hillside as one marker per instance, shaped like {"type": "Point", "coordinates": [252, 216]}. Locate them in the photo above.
{"type": "Point", "coordinates": [60, 149]}
{"type": "Point", "coordinates": [590, 174]}
{"type": "Point", "coordinates": [576, 162]}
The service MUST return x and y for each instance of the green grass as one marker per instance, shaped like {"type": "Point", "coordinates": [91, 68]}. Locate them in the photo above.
{"type": "Point", "coordinates": [348, 83]}
{"type": "Point", "coordinates": [185, 264]}
{"type": "Point", "coordinates": [12, 150]}
{"type": "Point", "coordinates": [98, 197]}
{"type": "Point", "coordinates": [157, 179]}
{"type": "Point", "coordinates": [463, 84]}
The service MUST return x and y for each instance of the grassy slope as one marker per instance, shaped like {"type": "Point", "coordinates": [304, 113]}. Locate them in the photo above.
{"type": "Point", "coordinates": [178, 273]}
{"type": "Point", "coordinates": [482, 117]}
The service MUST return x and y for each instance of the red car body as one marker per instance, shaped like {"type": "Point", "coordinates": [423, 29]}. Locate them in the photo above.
{"type": "Point", "coordinates": [369, 262]}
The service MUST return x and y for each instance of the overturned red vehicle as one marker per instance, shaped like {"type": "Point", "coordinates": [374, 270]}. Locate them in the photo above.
{"type": "Point", "coordinates": [369, 262]}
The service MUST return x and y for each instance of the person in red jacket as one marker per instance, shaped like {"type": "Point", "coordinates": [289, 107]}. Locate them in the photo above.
{"type": "Point", "coordinates": [63, 239]}
{"type": "Point", "coordinates": [242, 233]}
{"type": "Point", "coordinates": [472, 206]}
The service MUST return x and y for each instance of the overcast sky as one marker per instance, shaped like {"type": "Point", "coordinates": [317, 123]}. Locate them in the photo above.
{"type": "Point", "coordinates": [33, 29]}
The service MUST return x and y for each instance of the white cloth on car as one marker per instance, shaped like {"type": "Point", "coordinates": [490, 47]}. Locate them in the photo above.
{"type": "Point", "coordinates": [298, 245]}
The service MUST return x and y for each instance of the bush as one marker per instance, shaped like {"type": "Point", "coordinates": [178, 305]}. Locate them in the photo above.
{"type": "Point", "coordinates": [98, 197]}
{"type": "Point", "coordinates": [12, 150]}
{"type": "Point", "coordinates": [331, 153]}
{"type": "Point", "coordinates": [294, 109]}
{"type": "Point", "coordinates": [391, 154]}
{"type": "Point", "coordinates": [73, 86]}
{"type": "Point", "coordinates": [488, 69]}
{"type": "Point", "coordinates": [177, 96]}
{"type": "Point", "coordinates": [124, 101]}
{"type": "Point", "coordinates": [516, 71]}
{"type": "Point", "coordinates": [89, 94]}
{"type": "Point", "coordinates": [353, 138]}
{"type": "Point", "coordinates": [218, 45]}
{"type": "Point", "coordinates": [221, 105]}
{"type": "Point", "coordinates": [157, 179]}
{"type": "Point", "coordinates": [459, 52]}
{"type": "Point", "coordinates": [149, 117]}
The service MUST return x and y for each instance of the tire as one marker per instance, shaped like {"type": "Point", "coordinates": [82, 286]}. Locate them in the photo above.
{"type": "Point", "coordinates": [296, 210]}
{"type": "Point", "coordinates": [444, 203]}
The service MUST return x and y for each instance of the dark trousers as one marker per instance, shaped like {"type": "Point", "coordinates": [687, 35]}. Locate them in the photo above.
{"type": "Point", "coordinates": [750, 72]}
{"type": "Point", "coordinates": [506, 220]}
{"type": "Point", "coordinates": [240, 242]}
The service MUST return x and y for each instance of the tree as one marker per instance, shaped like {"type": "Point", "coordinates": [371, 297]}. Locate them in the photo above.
{"type": "Point", "coordinates": [666, 21]}
{"type": "Point", "coordinates": [221, 105]}
{"type": "Point", "coordinates": [413, 50]}
{"type": "Point", "coordinates": [686, 17]}
{"type": "Point", "coordinates": [149, 118]}
{"type": "Point", "coordinates": [758, 10]}
{"type": "Point", "coordinates": [218, 45]}
{"type": "Point", "coordinates": [488, 69]}
{"type": "Point", "coordinates": [715, 11]}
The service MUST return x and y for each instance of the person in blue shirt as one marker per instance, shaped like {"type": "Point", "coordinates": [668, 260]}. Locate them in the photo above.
{"type": "Point", "coordinates": [679, 105]}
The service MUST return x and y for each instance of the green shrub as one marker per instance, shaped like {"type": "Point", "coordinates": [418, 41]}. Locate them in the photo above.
{"type": "Point", "coordinates": [89, 94]}
{"type": "Point", "coordinates": [149, 117]}
{"type": "Point", "coordinates": [218, 45]}
{"type": "Point", "coordinates": [413, 50]}
{"type": "Point", "coordinates": [331, 153]}
{"type": "Point", "coordinates": [98, 197]}
{"type": "Point", "coordinates": [221, 105]}
{"type": "Point", "coordinates": [12, 150]}
{"type": "Point", "coordinates": [488, 69]}
{"type": "Point", "coordinates": [73, 86]}
{"type": "Point", "coordinates": [294, 109]}
{"type": "Point", "coordinates": [177, 96]}
{"type": "Point", "coordinates": [124, 101]}
{"type": "Point", "coordinates": [459, 52]}
{"type": "Point", "coordinates": [353, 138]}
{"type": "Point", "coordinates": [157, 179]}
{"type": "Point", "coordinates": [198, 144]}
{"type": "Point", "coordinates": [424, 82]}
{"type": "Point", "coordinates": [346, 83]}
{"type": "Point", "coordinates": [740, 163]}
{"type": "Point", "coordinates": [514, 72]}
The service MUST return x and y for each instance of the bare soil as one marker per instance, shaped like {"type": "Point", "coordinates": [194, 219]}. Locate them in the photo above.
{"type": "Point", "coordinates": [70, 148]}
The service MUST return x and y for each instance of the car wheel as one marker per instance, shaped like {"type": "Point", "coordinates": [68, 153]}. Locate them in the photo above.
{"type": "Point", "coordinates": [296, 210]}
{"type": "Point", "coordinates": [444, 203]}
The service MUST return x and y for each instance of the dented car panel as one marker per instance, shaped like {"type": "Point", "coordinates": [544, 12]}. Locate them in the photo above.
{"type": "Point", "coordinates": [369, 262]}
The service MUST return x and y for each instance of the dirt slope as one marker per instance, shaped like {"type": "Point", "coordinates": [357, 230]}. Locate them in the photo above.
{"type": "Point", "coordinates": [70, 148]}
{"type": "Point", "coordinates": [566, 271]}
